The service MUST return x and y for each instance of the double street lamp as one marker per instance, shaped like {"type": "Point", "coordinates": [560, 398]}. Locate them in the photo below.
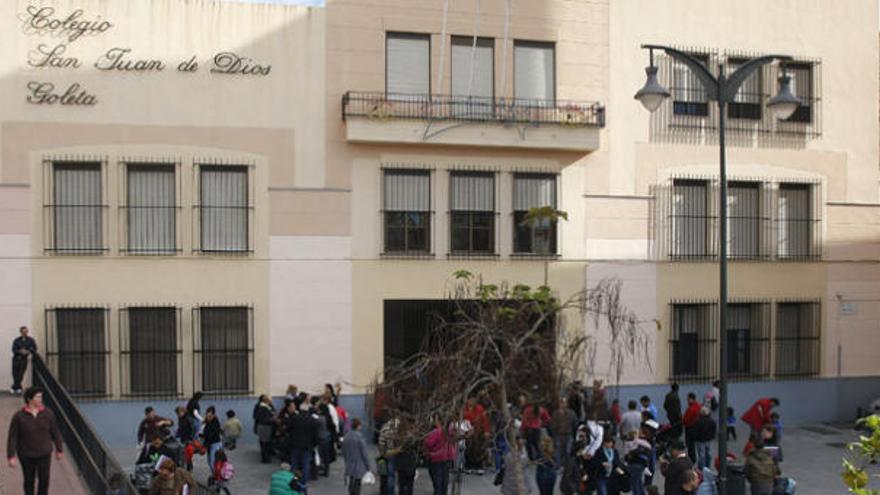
{"type": "Point", "coordinates": [721, 89]}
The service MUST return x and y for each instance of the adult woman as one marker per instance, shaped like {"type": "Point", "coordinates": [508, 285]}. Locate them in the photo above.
{"type": "Point", "coordinates": [171, 480]}
{"type": "Point", "coordinates": [637, 454]}
{"type": "Point", "coordinates": [264, 426]}
{"type": "Point", "coordinates": [761, 469]}
{"type": "Point", "coordinates": [193, 412]}
{"type": "Point", "coordinates": [440, 451]}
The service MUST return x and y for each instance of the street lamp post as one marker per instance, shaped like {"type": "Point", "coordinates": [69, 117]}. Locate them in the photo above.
{"type": "Point", "coordinates": [721, 89]}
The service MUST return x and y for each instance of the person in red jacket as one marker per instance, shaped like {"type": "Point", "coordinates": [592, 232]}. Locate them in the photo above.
{"type": "Point", "coordinates": [759, 414]}
{"type": "Point", "coordinates": [440, 450]}
{"type": "Point", "coordinates": [691, 415]}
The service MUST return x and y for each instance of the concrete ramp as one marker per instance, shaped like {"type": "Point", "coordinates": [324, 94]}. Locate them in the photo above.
{"type": "Point", "coordinates": [64, 478]}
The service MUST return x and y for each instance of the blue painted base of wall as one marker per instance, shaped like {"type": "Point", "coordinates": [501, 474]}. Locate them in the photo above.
{"type": "Point", "coordinates": [116, 422]}
{"type": "Point", "coordinates": [802, 402]}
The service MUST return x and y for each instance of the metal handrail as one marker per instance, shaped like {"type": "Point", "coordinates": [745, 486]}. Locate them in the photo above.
{"type": "Point", "coordinates": [387, 106]}
{"type": "Point", "coordinates": [97, 465]}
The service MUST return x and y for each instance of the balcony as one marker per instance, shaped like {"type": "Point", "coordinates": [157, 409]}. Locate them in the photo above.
{"type": "Point", "coordinates": [472, 121]}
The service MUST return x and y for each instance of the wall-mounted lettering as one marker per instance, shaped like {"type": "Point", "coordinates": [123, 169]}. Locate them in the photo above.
{"type": "Point", "coordinates": [117, 59]}
{"type": "Point", "coordinates": [188, 65]}
{"type": "Point", "coordinates": [46, 56]}
{"type": "Point", "coordinates": [231, 63]}
{"type": "Point", "coordinates": [43, 20]}
{"type": "Point", "coordinates": [43, 93]}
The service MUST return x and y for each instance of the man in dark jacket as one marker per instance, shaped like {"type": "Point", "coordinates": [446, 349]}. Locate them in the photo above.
{"type": "Point", "coordinates": [672, 405]}
{"type": "Point", "coordinates": [32, 434]}
{"type": "Point", "coordinates": [674, 468]}
{"type": "Point", "coordinates": [302, 433]}
{"type": "Point", "coordinates": [22, 347]}
{"type": "Point", "coordinates": [704, 431]}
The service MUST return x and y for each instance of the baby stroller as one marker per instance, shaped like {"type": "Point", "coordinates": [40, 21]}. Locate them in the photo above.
{"type": "Point", "coordinates": [663, 437]}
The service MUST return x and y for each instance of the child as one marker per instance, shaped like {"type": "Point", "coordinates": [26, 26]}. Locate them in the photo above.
{"type": "Point", "coordinates": [774, 418]}
{"type": "Point", "coordinates": [231, 430]}
{"type": "Point", "coordinates": [192, 448]}
{"type": "Point", "coordinates": [223, 469]}
{"type": "Point", "coordinates": [731, 424]}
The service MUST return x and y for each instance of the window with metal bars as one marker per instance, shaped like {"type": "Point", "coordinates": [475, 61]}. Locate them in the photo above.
{"type": "Point", "coordinates": [472, 212]}
{"type": "Point", "coordinates": [744, 220]}
{"type": "Point", "coordinates": [78, 349]}
{"type": "Point", "coordinates": [151, 209]}
{"type": "Point", "coordinates": [76, 209]}
{"type": "Point", "coordinates": [748, 101]}
{"type": "Point", "coordinates": [690, 219]}
{"type": "Point", "coordinates": [748, 340]}
{"type": "Point", "coordinates": [407, 211]}
{"type": "Point", "coordinates": [796, 219]}
{"type": "Point", "coordinates": [150, 351]}
{"type": "Point", "coordinates": [693, 340]}
{"type": "Point", "coordinates": [801, 74]}
{"type": "Point", "coordinates": [224, 209]}
{"type": "Point", "coordinates": [797, 339]}
{"type": "Point", "coordinates": [536, 236]}
{"type": "Point", "coordinates": [223, 348]}
{"type": "Point", "coordinates": [689, 97]}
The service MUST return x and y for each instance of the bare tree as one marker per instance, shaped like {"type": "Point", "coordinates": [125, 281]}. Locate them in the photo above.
{"type": "Point", "coordinates": [501, 342]}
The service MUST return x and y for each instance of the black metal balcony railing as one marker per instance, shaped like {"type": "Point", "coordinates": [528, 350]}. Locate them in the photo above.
{"type": "Point", "coordinates": [387, 106]}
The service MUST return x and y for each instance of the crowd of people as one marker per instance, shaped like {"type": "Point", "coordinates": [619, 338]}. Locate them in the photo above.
{"type": "Point", "coordinates": [587, 446]}
{"type": "Point", "coordinates": [305, 433]}
{"type": "Point", "coordinates": [582, 445]}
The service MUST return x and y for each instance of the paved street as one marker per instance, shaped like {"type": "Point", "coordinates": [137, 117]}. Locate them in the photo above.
{"type": "Point", "coordinates": [812, 457]}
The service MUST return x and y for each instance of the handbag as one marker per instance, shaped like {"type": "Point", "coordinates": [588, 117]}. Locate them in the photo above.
{"type": "Point", "coordinates": [368, 478]}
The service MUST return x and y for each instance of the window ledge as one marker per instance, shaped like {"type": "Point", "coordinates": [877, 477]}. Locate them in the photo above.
{"type": "Point", "coordinates": [471, 256]}
{"type": "Point", "coordinates": [535, 256]}
{"type": "Point", "coordinates": [407, 256]}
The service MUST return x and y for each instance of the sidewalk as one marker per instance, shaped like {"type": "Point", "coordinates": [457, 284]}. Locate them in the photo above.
{"type": "Point", "coordinates": [64, 477]}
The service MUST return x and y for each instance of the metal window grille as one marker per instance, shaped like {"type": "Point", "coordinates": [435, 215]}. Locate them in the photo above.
{"type": "Point", "coordinates": [223, 350]}
{"type": "Point", "coordinates": [224, 214]}
{"type": "Point", "coordinates": [534, 191]}
{"type": "Point", "coordinates": [78, 349]}
{"type": "Point", "coordinates": [749, 100]}
{"type": "Point", "coordinates": [150, 209]}
{"type": "Point", "coordinates": [744, 220]}
{"type": "Point", "coordinates": [151, 357]}
{"type": "Point", "coordinates": [74, 209]}
{"type": "Point", "coordinates": [692, 219]}
{"type": "Point", "coordinates": [748, 340]}
{"type": "Point", "coordinates": [472, 212]}
{"type": "Point", "coordinates": [407, 211]}
{"type": "Point", "coordinates": [688, 94]}
{"type": "Point", "coordinates": [797, 339]}
{"type": "Point", "coordinates": [688, 117]}
{"type": "Point", "coordinates": [693, 340]}
{"type": "Point", "coordinates": [797, 221]}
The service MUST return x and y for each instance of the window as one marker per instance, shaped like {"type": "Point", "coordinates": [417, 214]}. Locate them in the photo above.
{"type": "Point", "coordinates": [690, 218]}
{"type": "Point", "coordinates": [533, 191]}
{"type": "Point", "coordinates": [802, 87]}
{"type": "Point", "coordinates": [78, 349]}
{"type": "Point", "coordinates": [407, 211]}
{"type": "Point", "coordinates": [224, 209]}
{"type": "Point", "coordinates": [77, 208]}
{"type": "Point", "coordinates": [408, 64]}
{"type": "Point", "coordinates": [473, 76]}
{"type": "Point", "coordinates": [472, 215]}
{"type": "Point", "coordinates": [743, 219]}
{"type": "Point", "coordinates": [688, 94]}
{"type": "Point", "coordinates": [534, 72]}
{"type": "Point", "coordinates": [150, 351]}
{"type": "Point", "coordinates": [794, 221]}
{"type": "Point", "coordinates": [223, 343]}
{"type": "Point", "coordinates": [746, 103]}
{"type": "Point", "coordinates": [692, 341]}
{"type": "Point", "coordinates": [747, 340]}
{"type": "Point", "coordinates": [797, 339]}
{"type": "Point", "coordinates": [408, 322]}
{"type": "Point", "coordinates": [151, 207]}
